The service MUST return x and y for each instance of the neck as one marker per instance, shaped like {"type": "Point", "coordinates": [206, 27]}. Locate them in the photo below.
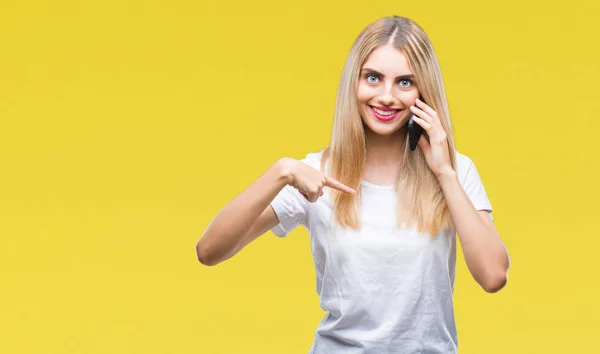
{"type": "Point", "coordinates": [385, 150]}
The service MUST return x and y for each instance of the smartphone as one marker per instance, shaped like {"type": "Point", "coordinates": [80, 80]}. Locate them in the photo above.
{"type": "Point", "coordinates": [414, 132]}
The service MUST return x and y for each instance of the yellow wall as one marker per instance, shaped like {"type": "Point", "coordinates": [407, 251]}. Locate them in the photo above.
{"type": "Point", "coordinates": [126, 126]}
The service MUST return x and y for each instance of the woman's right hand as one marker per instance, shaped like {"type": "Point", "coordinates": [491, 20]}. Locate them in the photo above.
{"type": "Point", "coordinates": [309, 181]}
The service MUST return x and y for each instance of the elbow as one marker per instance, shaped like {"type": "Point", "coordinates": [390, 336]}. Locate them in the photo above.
{"type": "Point", "coordinates": [494, 283]}
{"type": "Point", "coordinates": [204, 255]}
{"type": "Point", "coordinates": [496, 277]}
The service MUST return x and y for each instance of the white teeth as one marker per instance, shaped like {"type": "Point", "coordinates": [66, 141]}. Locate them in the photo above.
{"type": "Point", "coordinates": [385, 113]}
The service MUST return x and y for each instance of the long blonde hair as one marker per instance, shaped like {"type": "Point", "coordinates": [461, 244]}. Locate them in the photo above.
{"type": "Point", "coordinates": [420, 197]}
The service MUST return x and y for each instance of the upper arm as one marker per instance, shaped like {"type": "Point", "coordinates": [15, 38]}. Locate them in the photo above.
{"type": "Point", "coordinates": [486, 215]}
{"type": "Point", "coordinates": [265, 222]}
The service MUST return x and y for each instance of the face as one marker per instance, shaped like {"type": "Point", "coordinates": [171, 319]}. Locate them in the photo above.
{"type": "Point", "coordinates": [386, 88]}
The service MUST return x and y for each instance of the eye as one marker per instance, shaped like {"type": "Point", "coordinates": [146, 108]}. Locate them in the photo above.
{"type": "Point", "coordinates": [405, 83]}
{"type": "Point", "coordinates": [372, 79]}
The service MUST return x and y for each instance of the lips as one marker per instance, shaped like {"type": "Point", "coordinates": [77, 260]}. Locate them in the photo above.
{"type": "Point", "coordinates": [385, 113]}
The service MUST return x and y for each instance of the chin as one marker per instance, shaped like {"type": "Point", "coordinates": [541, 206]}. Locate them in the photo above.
{"type": "Point", "coordinates": [384, 131]}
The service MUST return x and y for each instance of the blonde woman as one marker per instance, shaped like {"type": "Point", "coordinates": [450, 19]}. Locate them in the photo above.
{"type": "Point", "coordinates": [382, 218]}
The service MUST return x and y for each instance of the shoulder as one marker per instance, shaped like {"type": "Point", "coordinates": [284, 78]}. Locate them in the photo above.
{"type": "Point", "coordinates": [471, 182]}
{"type": "Point", "coordinates": [313, 159]}
{"type": "Point", "coordinates": [464, 166]}
{"type": "Point", "coordinates": [462, 160]}
{"type": "Point", "coordinates": [467, 173]}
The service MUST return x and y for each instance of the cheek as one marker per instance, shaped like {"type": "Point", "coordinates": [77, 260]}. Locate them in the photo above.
{"type": "Point", "coordinates": [408, 97]}
{"type": "Point", "coordinates": [364, 93]}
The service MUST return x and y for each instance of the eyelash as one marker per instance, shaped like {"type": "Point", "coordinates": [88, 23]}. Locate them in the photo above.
{"type": "Point", "coordinates": [378, 78]}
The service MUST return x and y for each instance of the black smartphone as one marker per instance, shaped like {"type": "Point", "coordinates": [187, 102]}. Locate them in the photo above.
{"type": "Point", "coordinates": [414, 132]}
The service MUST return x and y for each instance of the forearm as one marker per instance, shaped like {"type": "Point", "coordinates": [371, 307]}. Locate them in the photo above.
{"type": "Point", "coordinates": [484, 252]}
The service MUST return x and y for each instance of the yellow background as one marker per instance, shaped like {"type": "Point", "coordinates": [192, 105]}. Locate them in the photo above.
{"type": "Point", "coordinates": [126, 126]}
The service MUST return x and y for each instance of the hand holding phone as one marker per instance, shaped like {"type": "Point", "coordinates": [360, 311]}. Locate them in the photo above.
{"type": "Point", "coordinates": [414, 132]}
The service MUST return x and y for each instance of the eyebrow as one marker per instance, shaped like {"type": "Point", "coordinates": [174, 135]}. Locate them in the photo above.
{"type": "Point", "coordinates": [401, 77]}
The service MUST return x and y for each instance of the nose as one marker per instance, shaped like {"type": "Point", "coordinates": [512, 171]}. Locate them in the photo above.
{"type": "Point", "coordinates": [386, 99]}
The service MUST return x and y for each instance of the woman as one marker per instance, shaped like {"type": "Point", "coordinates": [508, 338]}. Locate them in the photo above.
{"type": "Point", "coordinates": [382, 218]}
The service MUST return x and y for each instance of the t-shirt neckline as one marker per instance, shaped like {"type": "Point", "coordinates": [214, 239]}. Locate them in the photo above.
{"type": "Point", "coordinates": [377, 186]}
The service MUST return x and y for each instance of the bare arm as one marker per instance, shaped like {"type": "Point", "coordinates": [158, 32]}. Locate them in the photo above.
{"type": "Point", "coordinates": [246, 217]}
{"type": "Point", "coordinates": [250, 215]}
{"type": "Point", "coordinates": [485, 254]}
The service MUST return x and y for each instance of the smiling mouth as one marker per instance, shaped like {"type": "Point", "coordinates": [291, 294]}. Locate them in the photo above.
{"type": "Point", "coordinates": [387, 112]}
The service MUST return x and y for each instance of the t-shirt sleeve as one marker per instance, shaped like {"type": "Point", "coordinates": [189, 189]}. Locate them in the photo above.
{"type": "Point", "coordinates": [290, 206]}
{"type": "Point", "coordinates": [291, 209]}
{"type": "Point", "coordinates": [473, 186]}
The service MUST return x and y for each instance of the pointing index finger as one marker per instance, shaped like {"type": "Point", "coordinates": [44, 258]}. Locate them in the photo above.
{"type": "Point", "coordinates": [330, 182]}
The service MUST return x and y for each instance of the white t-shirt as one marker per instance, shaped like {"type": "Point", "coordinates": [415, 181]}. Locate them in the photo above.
{"type": "Point", "coordinates": [385, 290]}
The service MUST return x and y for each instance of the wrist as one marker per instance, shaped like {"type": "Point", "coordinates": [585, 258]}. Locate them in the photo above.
{"type": "Point", "coordinates": [446, 175]}
{"type": "Point", "coordinates": [283, 170]}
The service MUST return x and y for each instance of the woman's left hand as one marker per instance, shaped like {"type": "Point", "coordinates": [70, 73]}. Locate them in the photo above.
{"type": "Point", "coordinates": [436, 150]}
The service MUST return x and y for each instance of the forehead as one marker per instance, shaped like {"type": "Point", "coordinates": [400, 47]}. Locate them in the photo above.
{"type": "Point", "coordinates": [387, 60]}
